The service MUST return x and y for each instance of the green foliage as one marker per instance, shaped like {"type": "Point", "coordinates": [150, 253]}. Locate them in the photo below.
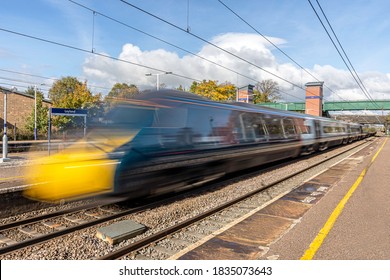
{"type": "Point", "coordinates": [181, 88]}
{"type": "Point", "coordinates": [211, 90]}
{"type": "Point", "coordinates": [121, 92]}
{"type": "Point", "coordinates": [73, 94]}
{"type": "Point", "coordinates": [42, 115]}
{"type": "Point", "coordinates": [62, 88]}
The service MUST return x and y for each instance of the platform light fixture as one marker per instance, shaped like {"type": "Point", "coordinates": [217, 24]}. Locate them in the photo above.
{"type": "Point", "coordinates": [5, 138]}
{"type": "Point", "coordinates": [158, 77]}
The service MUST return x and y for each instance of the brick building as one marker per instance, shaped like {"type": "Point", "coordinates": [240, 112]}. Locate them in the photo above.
{"type": "Point", "coordinates": [19, 107]}
{"type": "Point", "coordinates": [314, 95]}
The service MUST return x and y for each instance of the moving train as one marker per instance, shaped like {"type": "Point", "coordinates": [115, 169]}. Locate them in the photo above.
{"type": "Point", "coordinates": [167, 141]}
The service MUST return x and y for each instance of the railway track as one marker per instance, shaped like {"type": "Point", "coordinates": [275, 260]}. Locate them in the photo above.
{"type": "Point", "coordinates": [47, 227]}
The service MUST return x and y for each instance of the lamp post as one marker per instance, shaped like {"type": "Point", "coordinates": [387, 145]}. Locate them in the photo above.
{"type": "Point", "coordinates": [158, 77]}
{"type": "Point", "coordinates": [5, 138]}
{"type": "Point", "coordinates": [35, 112]}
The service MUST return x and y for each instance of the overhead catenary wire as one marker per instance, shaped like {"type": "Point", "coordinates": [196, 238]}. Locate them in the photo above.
{"type": "Point", "coordinates": [92, 52]}
{"type": "Point", "coordinates": [273, 44]}
{"type": "Point", "coordinates": [95, 53]}
{"type": "Point", "coordinates": [46, 78]}
{"type": "Point", "coordinates": [126, 61]}
{"type": "Point", "coordinates": [353, 73]}
{"type": "Point", "coordinates": [267, 39]}
{"type": "Point", "coordinates": [279, 49]}
{"type": "Point", "coordinates": [349, 66]}
{"type": "Point", "coordinates": [345, 54]}
{"type": "Point", "coordinates": [210, 43]}
{"type": "Point", "coordinates": [162, 40]}
{"type": "Point", "coordinates": [168, 43]}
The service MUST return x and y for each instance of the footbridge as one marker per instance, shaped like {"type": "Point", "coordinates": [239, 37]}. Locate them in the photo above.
{"type": "Point", "coordinates": [355, 111]}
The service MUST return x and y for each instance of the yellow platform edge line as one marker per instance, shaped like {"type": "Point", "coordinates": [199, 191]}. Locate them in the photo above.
{"type": "Point", "coordinates": [316, 244]}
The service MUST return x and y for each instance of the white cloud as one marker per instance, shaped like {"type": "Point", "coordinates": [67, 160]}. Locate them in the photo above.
{"type": "Point", "coordinates": [250, 47]}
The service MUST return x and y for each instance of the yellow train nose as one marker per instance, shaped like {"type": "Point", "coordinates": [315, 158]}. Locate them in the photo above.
{"type": "Point", "coordinates": [60, 178]}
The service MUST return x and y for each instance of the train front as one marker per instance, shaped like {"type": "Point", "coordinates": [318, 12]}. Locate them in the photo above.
{"type": "Point", "coordinates": [87, 167]}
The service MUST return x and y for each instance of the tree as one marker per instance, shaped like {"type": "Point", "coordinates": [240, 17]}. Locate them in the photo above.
{"type": "Point", "coordinates": [123, 91]}
{"type": "Point", "coordinates": [181, 88]}
{"type": "Point", "coordinates": [217, 92]}
{"type": "Point", "coordinates": [73, 94]}
{"type": "Point", "coordinates": [120, 91]}
{"type": "Point", "coordinates": [62, 88]}
{"type": "Point", "coordinates": [266, 91]}
{"type": "Point", "coordinates": [42, 114]}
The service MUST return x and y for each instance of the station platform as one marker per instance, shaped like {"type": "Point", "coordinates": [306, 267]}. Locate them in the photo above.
{"type": "Point", "coordinates": [342, 214]}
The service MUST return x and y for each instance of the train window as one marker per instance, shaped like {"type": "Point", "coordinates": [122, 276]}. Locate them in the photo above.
{"type": "Point", "coordinates": [170, 117]}
{"type": "Point", "coordinates": [130, 117]}
{"type": "Point", "coordinates": [289, 128]}
{"type": "Point", "coordinates": [355, 129]}
{"type": "Point", "coordinates": [252, 127]}
{"type": "Point", "coordinates": [274, 127]}
{"type": "Point", "coordinates": [210, 125]}
{"type": "Point", "coordinates": [303, 126]}
{"type": "Point", "coordinates": [340, 129]}
{"type": "Point", "coordinates": [328, 129]}
{"type": "Point", "coordinates": [333, 128]}
{"type": "Point", "coordinates": [259, 130]}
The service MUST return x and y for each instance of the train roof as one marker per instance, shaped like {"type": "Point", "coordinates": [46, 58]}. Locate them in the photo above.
{"type": "Point", "coordinates": [180, 95]}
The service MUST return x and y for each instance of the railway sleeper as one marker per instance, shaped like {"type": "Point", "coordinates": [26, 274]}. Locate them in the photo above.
{"type": "Point", "coordinates": [30, 232]}
{"type": "Point", "coordinates": [165, 250]}
{"type": "Point", "coordinates": [180, 242]}
{"type": "Point", "coordinates": [75, 220]}
{"type": "Point", "coordinates": [53, 225]}
{"type": "Point", "coordinates": [194, 234]}
{"type": "Point", "coordinates": [95, 215]}
{"type": "Point", "coordinates": [6, 240]}
{"type": "Point", "coordinates": [141, 257]}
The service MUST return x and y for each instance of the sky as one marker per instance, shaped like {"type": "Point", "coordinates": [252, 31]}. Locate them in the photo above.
{"type": "Point", "coordinates": [238, 41]}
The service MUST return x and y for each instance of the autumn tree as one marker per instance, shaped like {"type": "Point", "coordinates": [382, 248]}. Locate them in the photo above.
{"type": "Point", "coordinates": [42, 114]}
{"type": "Point", "coordinates": [214, 91]}
{"type": "Point", "coordinates": [119, 92]}
{"type": "Point", "coordinates": [62, 88]}
{"type": "Point", "coordinates": [266, 91]}
{"type": "Point", "coordinates": [123, 91]}
{"type": "Point", "coordinates": [73, 94]}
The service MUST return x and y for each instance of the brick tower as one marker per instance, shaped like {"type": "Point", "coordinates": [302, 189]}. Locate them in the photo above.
{"type": "Point", "coordinates": [314, 98]}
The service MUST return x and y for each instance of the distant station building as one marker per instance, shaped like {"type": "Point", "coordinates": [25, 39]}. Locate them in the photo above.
{"type": "Point", "coordinates": [245, 94]}
{"type": "Point", "coordinates": [19, 107]}
{"type": "Point", "coordinates": [314, 96]}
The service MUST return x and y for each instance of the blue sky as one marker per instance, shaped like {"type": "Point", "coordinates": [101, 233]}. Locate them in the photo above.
{"type": "Point", "coordinates": [361, 26]}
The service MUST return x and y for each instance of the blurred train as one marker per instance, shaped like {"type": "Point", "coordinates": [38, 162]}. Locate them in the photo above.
{"type": "Point", "coordinates": [168, 141]}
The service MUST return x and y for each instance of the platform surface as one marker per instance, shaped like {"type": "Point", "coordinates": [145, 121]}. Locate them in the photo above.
{"type": "Point", "coordinates": [287, 228]}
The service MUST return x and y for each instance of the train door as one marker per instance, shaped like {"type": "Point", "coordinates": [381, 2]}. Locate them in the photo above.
{"type": "Point", "coordinates": [317, 127]}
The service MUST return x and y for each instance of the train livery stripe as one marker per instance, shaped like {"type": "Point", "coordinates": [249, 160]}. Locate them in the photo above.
{"type": "Point", "coordinates": [11, 178]}
{"type": "Point", "coordinates": [317, 242]}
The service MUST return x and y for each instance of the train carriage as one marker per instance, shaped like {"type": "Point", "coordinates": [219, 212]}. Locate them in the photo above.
{"type": "Point", "coordinates": [168, 140]}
